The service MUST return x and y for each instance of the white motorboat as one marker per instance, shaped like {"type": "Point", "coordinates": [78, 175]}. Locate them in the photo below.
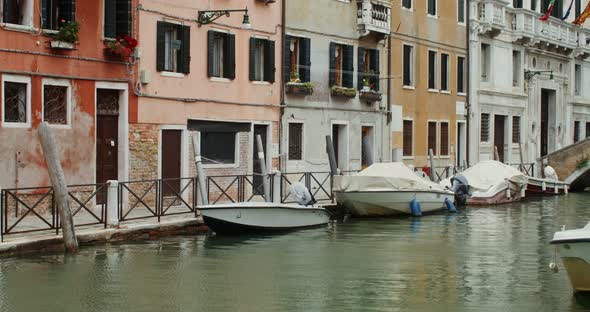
{"type": "Point", "coordinates": [488, 183]}
{"type": "Point", "coordinates": [550, 185]}
{"type": "Point", "coordinates": [386, 189]}
{"type": "Point", "coordinates": [573, 246]}
{"type": "Point", "coordinates": [262, 216]}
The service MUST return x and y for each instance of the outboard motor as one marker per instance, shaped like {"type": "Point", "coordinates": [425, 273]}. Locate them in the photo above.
{"type": "Point", "coordinates": [460, 186]}
{"type": "Point", "coordinates": [302, 195]}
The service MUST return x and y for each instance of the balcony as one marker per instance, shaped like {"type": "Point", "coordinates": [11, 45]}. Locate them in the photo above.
{"type": "Point", "coordinates": [492, 16]}
{"type": "Point", "coordinates": [583, 49]}
{"type": "Point", "coordinates": [523, 24]}
{"type": "Point", "coordinates": [373, 16]}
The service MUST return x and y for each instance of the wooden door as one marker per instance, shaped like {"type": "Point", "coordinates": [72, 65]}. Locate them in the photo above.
{"type": "Point", "coordinates": [171, 149]}
{"type": "Point", "coordinates": [499, 135]}
{"type": "Point", "coordinates": [107, 129]}
{"type": "Point", "coordinates": [257, 180]}
{"type": "Point", "coordinates": [544, 122]}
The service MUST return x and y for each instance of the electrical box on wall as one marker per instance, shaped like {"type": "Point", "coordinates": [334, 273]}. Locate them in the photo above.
{"type": "Point", "coordinates": [137, 53]}
{"type": "Point", "coordinates": [145, 76]}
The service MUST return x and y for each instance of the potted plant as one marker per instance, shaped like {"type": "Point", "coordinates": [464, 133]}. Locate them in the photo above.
{"type": "Point", "coordinates": [296, 87]}
{"type": "Point", "coordinates": [122, 47]}
{"type": "Point", "coordinates": [343, 92]}
{"type": "Point", "coordinates": [368, 92]}
{"type": "Point", "coordinates": [66, 36]}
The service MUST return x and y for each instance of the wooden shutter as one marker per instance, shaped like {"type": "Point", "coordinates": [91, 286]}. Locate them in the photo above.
{"type": "Point", "coordinates": [460, 74]}
{"type": "Point", "coordinates": [110, 19]}
{"type": "Point", "coordinates": [444, 68]}
{"type": "Point", "coordinates": [348, 66]}
{"type": "Point", "coordinates": [230, 57]}
{"type": "Point", "coordinates": [431, 70]}
{"type": "Point", "coordinates": [269, 61]}
{"type": "Point", "coordinates": [408, 137]}
{"type": "Point", "coordinates": [374, 57]}
{"type": "Point", "coordinates": [361, 68]}
{"type": "Point", "coordinates": [252, 59]}
{"type": "Point", "coordinates": [576, 131]}
{"type": "Point", "coordinates": [485, 128]}
{"type": "Point", "coordinates": [67, 10]}
{"type": "Point", "coordinates": [210, 39]}
{"type": "Point", "coordinates": [332, 63]}
{"type": "Point", "coordinates": [431, 137]}
{"type": "Point", "coordinates": [444, 138]}
{"type": "Point", "coordinates": [295, 141]}
{"type": "Point", "coordinates": [515, 129]}
{"type": "Point", "coordinates": [186, 49]}
{"type": "Point", "coordinates": [305, 59]}
{"type": "Point", "coordinates": [287, 59]}
{"type": "Point", "coordinates": [161, 46]}
{"type": "Point", "coordinates": [123, 17]}
{"type": "Point", "coordinates": [407, 65]}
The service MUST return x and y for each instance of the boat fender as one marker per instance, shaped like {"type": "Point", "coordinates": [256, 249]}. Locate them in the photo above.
{"type": "Point", "coordinates": [508, 194]}
{"type": "Point", "coordinates": [523, 192]}
{"type": "Point", "coordinates": [415, 208]}
{"type": "Point", "coordinates": [553, 267]}
{"type": "Point", "coordinates": [450, 205]}
{"type": "Point", "coordinates": [543, 186]}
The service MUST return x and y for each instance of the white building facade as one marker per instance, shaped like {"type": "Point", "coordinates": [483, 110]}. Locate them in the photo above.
{"type": "Point", "coordinates": [529, 85]}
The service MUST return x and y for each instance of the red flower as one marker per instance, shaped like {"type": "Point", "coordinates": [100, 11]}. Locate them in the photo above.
{"type": "Point", "coordinates": [118, 38]}
{"type": "Point", "coordinates": [133, 43]}
{"type": "Point", "coordinates": [63, 20]}
{"type": "Point", "coordinates": [127, 38]}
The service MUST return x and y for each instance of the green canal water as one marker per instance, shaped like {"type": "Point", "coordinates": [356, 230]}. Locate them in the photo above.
{"type": "Point", "coordinates": [481, 259]}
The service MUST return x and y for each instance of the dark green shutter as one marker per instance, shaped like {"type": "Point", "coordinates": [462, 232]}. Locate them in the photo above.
{"type": "Point", "coordinates": [374, 57]}
{"type": "Point", "coordinates": [287, 59]}
{"type": "Point", "coordinates": [210, 39]}
{"type": "Point", "coordinates": [186, 49]}
{"type": "Point", "coordinates": [160, 46]}
{"type": "Point", "coordinates": [305, 60]}
{"type": "Point", "coordinates": [348, 66]}
{"type": "Point", "coordinates": [361, 68]}
{"type": "Point", "coordinates": [123, 17]}
{"type": "Point", "coordinates": [332, 63]}
{"type": "Point", "coordinates": [269, 61]}
{"type": "Point", "coordinates": [230, 57]}
{"type": "Point", "coordinates": [110, 19]}
{"type": "Point", "coordinates": [252, 59]}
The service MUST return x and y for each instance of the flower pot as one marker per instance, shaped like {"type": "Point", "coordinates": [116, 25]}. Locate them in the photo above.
{"type": "Point", "coordinates": [61, 45]}
{"type": "Point", "coordinates": [370, 96]}
{"type": "Point", "coordinates": [294, 88]}
{"type": "Point", "coordinates": [343, 92]}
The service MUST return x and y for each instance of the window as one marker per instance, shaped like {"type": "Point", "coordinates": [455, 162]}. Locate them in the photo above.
{"type": "Point", "coordinates": [485, 128]}
{"type": "Point", "coordinates": [485, 61]}
{"type": "Point", "coordinates": [407, 4]}
{"type": "Point", "coordinates": [16, 101]}
{"type": "Point", "coordinates": [56, 102]}
{"type": "Point", "coordinates": [431, 137]}
{"type": "Point", "coordinates": [53, 11]}
{"type": "Point", "coordinates": [173, 48]}
{"type": "Point", "coordinates": [444, 138]}
{"type": "Point", "coordinates": [461, 74]}
{"type": "Point", "coordinates": [461, 11]}
{"type": "Point", "coordinates": [17, 12]}
{"type": "Point", "coordinates": [578, 8]}
{"type": "Point", "coordinates": [218, 147]}
{"type": "Point", "coordinates": [515, 129]}
{"type": "Point", "coordinates": [408, 65]}
{"type": "Point", "coordinates": [534, 5]}
{"type": "Point", "coordinates": [577, 79]}
{"type": "Point", "coordinates": [368, 68]}
{"type": "Point", "coordinates": [432, 70]}
{"type": "Point", "coordinates": [221, 55]}
{"type": "Point", "coordinates": [516, 71]}
{"type": "Point", "coordinates": [408, 138]}
{"type": "Point", "coordinates": [341, 65]}
{"type": "Point", "coordinates": [262, 60]}
{"type": "Point", "coordinates": [576, 131]}
{"type": "Point", "coordinates": [298, 52]}
{"type": "Point", "coordinates": [588, 129]}
{"type": "Point", "coordinates": [117, 18]}
{"type": "Point", "coordinates": [444, 72]}
{"type": "Point", "coordinates": [367, 153]}
{"type": "Point", "coordinates": [517, 4]}
{"type": "Point", "coordinates": [432, 7]}
{"type": "Point", "coordinates": [295, 141]}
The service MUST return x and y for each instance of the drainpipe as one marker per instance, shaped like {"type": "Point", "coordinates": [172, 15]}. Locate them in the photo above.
{"type": "Point", "coordinates": [389, 116]}
{"type": "Point", "coordinates": [468, 71]}
{"type": "Point", "coordinates": [282, 104]}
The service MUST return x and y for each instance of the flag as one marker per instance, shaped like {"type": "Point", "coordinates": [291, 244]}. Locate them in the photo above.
{"type": "Point", "coordinates": [569, 10]}
{"type": "Point", "coordinates": [582, 18]}
{"type": "Point", "coordinates": [549, 10]}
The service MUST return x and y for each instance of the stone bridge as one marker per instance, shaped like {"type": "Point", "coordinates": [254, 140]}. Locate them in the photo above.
{"type": "Point", "coordinates": [572, 164]}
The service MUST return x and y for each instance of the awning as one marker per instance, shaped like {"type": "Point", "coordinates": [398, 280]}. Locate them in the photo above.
{"type": "Point", "coordinates": [218, 126]}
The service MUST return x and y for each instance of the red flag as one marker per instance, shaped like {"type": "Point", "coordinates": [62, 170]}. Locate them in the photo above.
{"type": "Point", "coordinates": [549, 10]}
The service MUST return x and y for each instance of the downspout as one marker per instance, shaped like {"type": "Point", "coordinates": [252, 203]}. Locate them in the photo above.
{"type": "Point", "coordinates": [282, 104]}
{"type": "Point", "coordinates": [468, 71]}
{"type": "Point", "coordinates": [389, 113]}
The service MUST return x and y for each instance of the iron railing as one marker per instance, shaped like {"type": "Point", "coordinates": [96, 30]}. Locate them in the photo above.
{"type": "Point", "coordinates": [238, 188]}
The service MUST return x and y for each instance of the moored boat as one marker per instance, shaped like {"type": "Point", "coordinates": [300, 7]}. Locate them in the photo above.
{"type": "Point", "coordinates": [573, 246]}
{"type": "Point", "coordinates": [387, 189]}
{"type": "Point", "coordinates": [540, 186]}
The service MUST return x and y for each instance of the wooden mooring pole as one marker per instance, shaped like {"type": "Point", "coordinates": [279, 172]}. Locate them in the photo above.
{"type": "Point", "coordinates": [496, 155]}
{"type": "Point", "coordinates": [201, 177]}
{"type": "Point", "coordinates": [331, 156]}
{"type": "Point", "coordinates": [431, 157]}
{"type": "Point", "coordinates": [263, 171]}
{"type": "Point", "coordinates": [60, 189]}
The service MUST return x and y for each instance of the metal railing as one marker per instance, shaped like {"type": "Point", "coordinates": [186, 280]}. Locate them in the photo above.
{"type": "Point", "coordinates": [319, 185]}
{"type": "Point", "coordinates": [237, 188]}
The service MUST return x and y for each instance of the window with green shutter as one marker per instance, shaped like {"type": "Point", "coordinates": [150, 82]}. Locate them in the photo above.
{"type": "Point", "coordinates": [262, 60]}
{"type": "Point", "coordinates": [173, 47]}
{"type": "Point", "coordinates": [221, 54]}
{"type": "Point", "coordinates": [341, 65]}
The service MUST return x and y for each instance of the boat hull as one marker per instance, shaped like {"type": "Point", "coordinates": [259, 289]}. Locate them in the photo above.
{"type": "Point", "coordinates": [388, 203]}
{"type": "Point", "coordinates": [252, 218]}
{"type": "Point", "coordinates": [535, 187]}
{"type": "Point", "coordinates": [575, 256]}
{"type": "Point", "coordinates": [502, 196]}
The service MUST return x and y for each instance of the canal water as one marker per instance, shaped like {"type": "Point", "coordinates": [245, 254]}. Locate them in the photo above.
{"type": "Point", "coordinates": [481, 259]}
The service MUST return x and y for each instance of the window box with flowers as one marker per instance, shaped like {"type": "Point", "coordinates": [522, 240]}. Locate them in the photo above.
{"type": "Point", "coordinates": [368, 92]}
{"type": "Point", "coordinates": [296, 87]}
{"type": "Point", "coordinates": [66, 36]}
{"type": "Point", "coordinates": [122, 48]}
{"type": "Point", "coordinates": [343, 92]}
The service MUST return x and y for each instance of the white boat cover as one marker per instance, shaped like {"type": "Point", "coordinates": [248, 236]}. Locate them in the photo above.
{"type": "Point", "coordinates": [385, 177]}
{"type": "Point", "coordinates": [488, 177]}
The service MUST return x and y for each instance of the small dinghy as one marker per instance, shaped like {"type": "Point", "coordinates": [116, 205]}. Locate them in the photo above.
{"type": "Point", "coordinates": [237, 218]}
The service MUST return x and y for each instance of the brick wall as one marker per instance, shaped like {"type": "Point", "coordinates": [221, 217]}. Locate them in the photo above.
{"type": "Point", "coordinates": [143, 151]}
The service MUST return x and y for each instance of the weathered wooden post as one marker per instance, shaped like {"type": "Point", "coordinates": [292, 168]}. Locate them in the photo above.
{"type": "Point", "coordinates": [432, 170]}
{"type": "Point", "coordinates": [60, 189]}
{"type": "Point", "coordinates": [521, 157]}
{"type": "Point", "coordinates": [331, 156]}
{"type": "Point", "coordinates": [201, 176]}
{"type": "Point", "coordinates": [265, 176]}
{"type": "Point", "coordinates": [496, 155]}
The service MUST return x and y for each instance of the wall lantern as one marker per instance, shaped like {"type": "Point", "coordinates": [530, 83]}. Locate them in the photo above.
{"type": "Point", "coordinates": [529, 74]}
{"type": "Point", "coordinates": [207, 17]}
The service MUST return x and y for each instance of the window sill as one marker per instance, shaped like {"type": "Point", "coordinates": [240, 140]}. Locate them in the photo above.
{"type": "Point", "coordinates": [409, 87]}
{"type": "Point", "coordinates": [407, 157]}
{"type": "Point", "coordinates": [461, 94]}
{"type": "Point", "coordinates": [444, 157]}
{"type": "Point", "coordinates": [261, 83]}
{"type": "Point", "coordinates": [220, 166]}
{"type": "Point", "coordinates": [220, 79]}
{"type": "Point", "coordinates": [16, 125]}
{"type": "Point", "coordinates": [432, 16]}
{"type": "Point", "coordinates": [433, 90]}
{"type": "Point", "coordinates": [445, 92]}
{"type": "Point", "coordinates": [172, 74]}
{"type": "Point", "coordinates": [18, 27]}
{"type": "Point", "coordinates": [461, 24]}
{"type": "Point", "coordinates": [49, 32]}
{"type": "Point", "coordinates": [409, 10]}
{"type": "Point", "coordinates": [58, 126]}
